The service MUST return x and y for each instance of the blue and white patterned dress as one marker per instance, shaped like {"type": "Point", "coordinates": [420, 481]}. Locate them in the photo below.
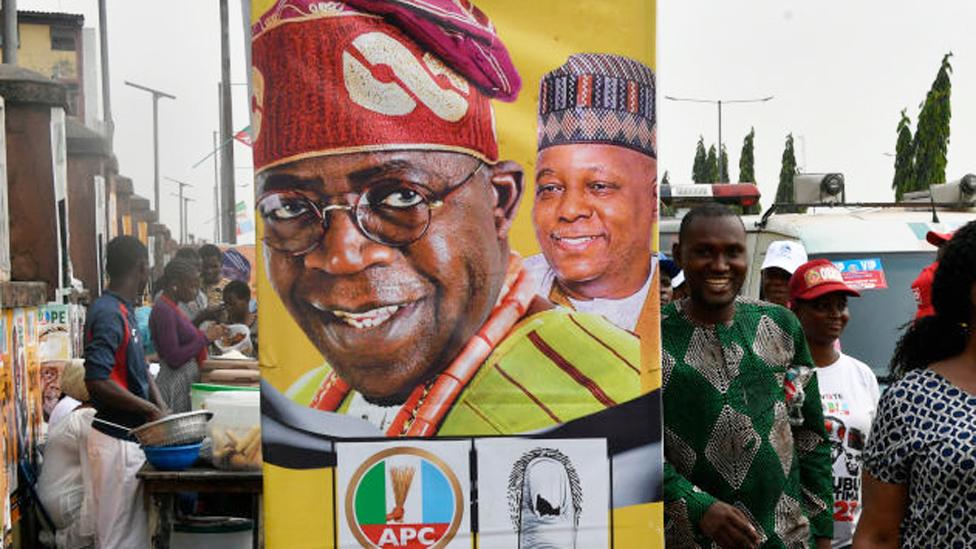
{"type": "Point", "coordinates": [924, 436]}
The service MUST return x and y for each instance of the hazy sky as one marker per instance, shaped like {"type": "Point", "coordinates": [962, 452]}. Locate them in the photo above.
{"type": "Point", "coordinates": [172, 46]}
{"type": "Point", "coordinates": [841, 72]}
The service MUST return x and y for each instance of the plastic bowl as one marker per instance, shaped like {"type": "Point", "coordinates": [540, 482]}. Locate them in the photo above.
{"type": "Point", "coordinates": [235, 330]}
{"type": "Point", "coordinates": [172, 458]}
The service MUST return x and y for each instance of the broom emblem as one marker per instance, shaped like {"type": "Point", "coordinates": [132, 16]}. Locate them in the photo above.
{"type": "Point", "coordinates": [401, 477]}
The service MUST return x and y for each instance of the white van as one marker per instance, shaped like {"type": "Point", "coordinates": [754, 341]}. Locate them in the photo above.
{"type": "Point", "coordinates": [892, 239]}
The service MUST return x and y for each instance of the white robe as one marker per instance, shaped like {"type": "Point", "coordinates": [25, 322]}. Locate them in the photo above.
{"type": "Point", "coordinates": [64, 485]}
{"type": "Point", "coordinates": [623, 313]}
{"type": "Point", "coordinates": [121, 521]}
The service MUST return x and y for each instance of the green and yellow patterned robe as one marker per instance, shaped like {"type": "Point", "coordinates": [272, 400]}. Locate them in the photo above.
{"type": "Point", "coordinates": [731, 433]}
{"type": "Point", "coordinates": [554, 366]}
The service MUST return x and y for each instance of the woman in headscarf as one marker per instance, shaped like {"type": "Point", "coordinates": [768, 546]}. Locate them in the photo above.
{"type": "Point", "coordinates": [181, 346]}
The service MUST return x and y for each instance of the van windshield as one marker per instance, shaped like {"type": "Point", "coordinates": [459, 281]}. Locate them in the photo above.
{"type": "Point", "coordinates": [878, 317]}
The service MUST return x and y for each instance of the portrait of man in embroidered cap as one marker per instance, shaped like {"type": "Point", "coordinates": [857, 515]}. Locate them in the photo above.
{"type": "Point", "coordinates": [595, 209]}
{"type": "Point", "coordinates": [386, 210]}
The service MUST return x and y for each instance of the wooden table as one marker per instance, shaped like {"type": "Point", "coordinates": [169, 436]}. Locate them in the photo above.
{"type": "Point", "coordinates": [161, 487]}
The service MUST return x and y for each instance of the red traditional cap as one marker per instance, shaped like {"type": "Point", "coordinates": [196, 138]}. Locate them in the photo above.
{"type": "Point", "coordinates": [936, 238]}
{"type": "Point", "coordinates": [370, 75]}
{"type": "Point", "coordinates": [816, 278]}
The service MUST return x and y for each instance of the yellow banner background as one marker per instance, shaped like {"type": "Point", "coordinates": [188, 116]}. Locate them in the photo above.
{"type": "Point", "coordinates": [540, 36]}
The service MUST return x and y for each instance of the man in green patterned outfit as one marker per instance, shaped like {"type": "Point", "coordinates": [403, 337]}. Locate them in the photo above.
{"type": "Point", "coordinates": [746, 451]}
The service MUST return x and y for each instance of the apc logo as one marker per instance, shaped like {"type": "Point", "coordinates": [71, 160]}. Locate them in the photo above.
{"type": "Point", "coordinates": [404, 498]}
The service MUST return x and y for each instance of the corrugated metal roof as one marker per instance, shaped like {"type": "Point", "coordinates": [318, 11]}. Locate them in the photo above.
{"type": "Point", "coordinates": [31, 16]}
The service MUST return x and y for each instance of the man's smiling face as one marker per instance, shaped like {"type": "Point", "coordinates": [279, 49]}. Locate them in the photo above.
{"type": "Point", "coordinates": [594, 215]}
{"type": "Point", "coordinates": [388, 317]}
{"type": "Point", "coordinates": [712, 253]}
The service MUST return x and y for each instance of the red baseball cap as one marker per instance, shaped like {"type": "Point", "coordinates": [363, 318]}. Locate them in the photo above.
{"type": "Point", "coordinates": [816, 278]}
{"type": "Point", "coordinates": [922, 291]}
{"type": "Point", "coordinates": [936, 238]}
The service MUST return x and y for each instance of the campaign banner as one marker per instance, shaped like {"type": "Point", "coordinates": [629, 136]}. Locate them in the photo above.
{"type": "Point", "coordinates": [456, 215]}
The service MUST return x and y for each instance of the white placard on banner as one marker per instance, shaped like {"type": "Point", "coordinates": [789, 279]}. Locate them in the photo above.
{"type": "Point", "coordinates": [543, 493]}
{"type": "Point", "coordinates": [404, 494]}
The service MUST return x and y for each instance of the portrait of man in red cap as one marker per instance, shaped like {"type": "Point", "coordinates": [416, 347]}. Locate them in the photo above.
{"type": "Point", "coordinates": [386, 211]}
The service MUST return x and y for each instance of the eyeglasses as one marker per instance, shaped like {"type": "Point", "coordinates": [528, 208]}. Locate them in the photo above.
{"type": "Point", "coordinates": [394, 213]}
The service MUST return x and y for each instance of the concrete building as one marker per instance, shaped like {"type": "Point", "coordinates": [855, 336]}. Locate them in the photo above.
{"type": "Point", "coordinates": [51, 44]}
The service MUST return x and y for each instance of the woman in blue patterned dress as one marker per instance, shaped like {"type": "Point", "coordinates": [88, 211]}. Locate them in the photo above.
{"type": "Point", "coordinates": [920, 463]}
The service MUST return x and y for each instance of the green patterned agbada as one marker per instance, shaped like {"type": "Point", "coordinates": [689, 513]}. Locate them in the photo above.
{"type": "Point", "coordinates": [733, 434]}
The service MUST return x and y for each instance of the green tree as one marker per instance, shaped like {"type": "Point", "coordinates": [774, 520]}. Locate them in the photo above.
{"type": "Point", "coordinates": [711, 166]}
{"type": "Point", "coordinates": [784, 192]}
{"type": "Point", "coordinates": [904, 158]}
{"type": "Point", "coordinates": [723, 163]}
{"type": "Point", "coordinates": [663, 209]}
{"type": "Point", "coordinates": [747, 173]}
{"type": "Point", "coordinates": [932, 134]}
{"type": "Point", "coordinates": [699, 172]}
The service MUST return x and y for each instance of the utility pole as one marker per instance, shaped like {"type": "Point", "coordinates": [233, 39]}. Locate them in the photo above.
{"type": "Point", "coordinates": [184, 233]}
{"type": "Point", "coordinates": [227, 200]}
{"type": "Point", "coordinates": [106, 87]}
{"type": "Point", "coordinates": [719, 103]}
{"type": "Point", "coordinates": [186, 209]}
{"type": "Point", "coordinates": [216, 189]}
{"type": "Point", "coordinates": [182, 207]}
{"type": "Point", "coordinates": [156, 94]}
{"type": "Point", "coordinates": [11, 40]}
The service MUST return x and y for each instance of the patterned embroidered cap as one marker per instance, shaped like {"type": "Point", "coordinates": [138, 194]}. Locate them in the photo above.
{"type": "Point", "coordinates": [599, 98]}
{"type": "Point", "coordinates": [368, 75]}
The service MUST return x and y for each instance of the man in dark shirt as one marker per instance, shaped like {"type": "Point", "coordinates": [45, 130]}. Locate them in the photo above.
{"type": "Point", "coordinates": [124, 395]}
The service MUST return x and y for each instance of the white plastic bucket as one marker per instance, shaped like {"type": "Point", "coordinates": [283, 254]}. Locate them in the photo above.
{"type": "Point", "coordinates": [235, 430]}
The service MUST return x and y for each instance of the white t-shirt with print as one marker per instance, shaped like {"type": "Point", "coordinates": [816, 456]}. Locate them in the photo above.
{"type": "Point", "coordinates": [849, 393]}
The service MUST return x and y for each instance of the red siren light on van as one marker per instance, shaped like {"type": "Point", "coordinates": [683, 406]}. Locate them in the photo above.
{"type": "Point", "coordinates": [739, 194]}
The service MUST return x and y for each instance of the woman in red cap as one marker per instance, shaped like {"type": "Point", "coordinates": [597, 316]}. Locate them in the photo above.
{"type": "Point", "coordinates": [848, 387]}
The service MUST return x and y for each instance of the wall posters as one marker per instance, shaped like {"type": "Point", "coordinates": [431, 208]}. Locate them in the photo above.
{"type": "Point", "coordinates": [456, 209]}
{"type": "Point", "coordinates": [8, 439]}
{"type": "Point", "coordinates": [55, 332]}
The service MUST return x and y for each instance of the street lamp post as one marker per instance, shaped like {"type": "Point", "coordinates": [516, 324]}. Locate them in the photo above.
{"type": "Point", "coordinates": [184, 232]}
{"type": "Point", "coordinates": [156, 94]}
{"type": "Point", "coordinates": [182, 207]}
{"type": "Point", "coordinates": [719, 103]}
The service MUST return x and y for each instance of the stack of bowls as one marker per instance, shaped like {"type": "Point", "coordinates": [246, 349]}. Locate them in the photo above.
{"type": "Point", "coordinates": [173, 442]}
